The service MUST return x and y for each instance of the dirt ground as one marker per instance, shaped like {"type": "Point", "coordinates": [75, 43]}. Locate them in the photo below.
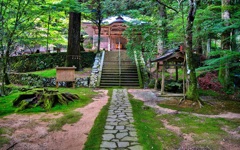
{"type": "Point", "coordinates": [148, 96]}
{"type": "Point", "coordinates": [30, 132]}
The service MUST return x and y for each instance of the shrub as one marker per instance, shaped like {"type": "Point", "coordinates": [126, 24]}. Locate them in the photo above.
{"type": "Point", "coordinates": [210, 82]}
{"type": "Point", "coordinates": [36, 62]}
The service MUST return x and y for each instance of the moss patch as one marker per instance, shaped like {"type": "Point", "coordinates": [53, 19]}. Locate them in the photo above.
{"type": "Point", "coordinates": [95, 136]}
{"type": "Point", "coordinates": [68, 118]}
{"type": "Point", "coordinates": [150, 129]}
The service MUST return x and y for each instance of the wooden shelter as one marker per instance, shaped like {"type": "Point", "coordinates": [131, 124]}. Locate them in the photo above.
{"type": "Point", "coordinates": [173, 57]}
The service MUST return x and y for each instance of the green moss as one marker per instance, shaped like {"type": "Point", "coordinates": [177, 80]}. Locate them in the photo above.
{"type": "Point", "coordinates": [207, 132]}
{"type": "Point", "coordinates": [150, 129]}
{"type": "Point", "coordinates": [85, 94]}
{"type": "Point", "coordinates": [95, 136]}
{"type": "Point", "coordinates": [4, 140]}
{"type": "Point", "coordinates": [68, 118]}
{"type": "Point", "coordinates": [46, 73]}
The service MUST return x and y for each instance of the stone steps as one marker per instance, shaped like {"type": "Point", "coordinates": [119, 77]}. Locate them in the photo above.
{"type": "Point", "coordinates": [112, 76]}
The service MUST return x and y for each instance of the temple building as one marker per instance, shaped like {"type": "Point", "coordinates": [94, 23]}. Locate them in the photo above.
{"type": "Point", "coordinates": [111, 33]}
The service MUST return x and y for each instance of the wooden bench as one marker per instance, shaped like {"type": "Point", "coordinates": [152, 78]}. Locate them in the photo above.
{"type": "Point", "coordinates": [65, 74]}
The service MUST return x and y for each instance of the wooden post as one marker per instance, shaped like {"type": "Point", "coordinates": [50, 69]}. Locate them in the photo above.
{"type": "Point", "coordinates": [156, 79]}
{"type": "Point", "coordinates": [163, 79]}
{"type": "Point", "coordinates": [176, 72]}
{"type": "Point", "coordinates": [184, 88]}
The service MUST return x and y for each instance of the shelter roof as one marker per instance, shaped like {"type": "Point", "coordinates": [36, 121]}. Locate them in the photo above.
{"type": "Point", "coordinates": [171, 55]}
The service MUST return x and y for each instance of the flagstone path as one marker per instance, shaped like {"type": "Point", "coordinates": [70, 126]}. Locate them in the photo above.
{"type": "Point", "coordinates": [119, 131]}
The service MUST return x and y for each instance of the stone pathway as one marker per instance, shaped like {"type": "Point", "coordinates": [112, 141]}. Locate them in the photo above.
{"type": "Point", "coordinates": [119, 131]}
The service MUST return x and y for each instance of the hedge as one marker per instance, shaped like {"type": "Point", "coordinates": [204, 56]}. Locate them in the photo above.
{"type": "Point", "coordinates": [36, 62]}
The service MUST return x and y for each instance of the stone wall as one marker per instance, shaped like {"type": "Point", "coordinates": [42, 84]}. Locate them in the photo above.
{"type": "Point", "coordinates": [35, 80]}
{"type": "Point", "coordinates": [96, 70]}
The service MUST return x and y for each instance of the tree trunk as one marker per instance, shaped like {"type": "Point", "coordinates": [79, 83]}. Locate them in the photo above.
{"type": "Point", "coordinates": [5, 64]}
{"type": "Point", "coordinates": [163, 15]}
{"type": "Point", "coordinates": [192, 92]}
{"type": "Point", "coordinates": [225, 44]}
{"type": "Point", "coordinates": [99, 36]}
{"type": "Point", "coordinates": [208, 46]}
{"type": "Point", "coordinates": [73, 50]}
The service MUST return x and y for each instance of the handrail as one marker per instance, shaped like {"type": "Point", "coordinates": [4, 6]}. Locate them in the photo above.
{"type": "Point", "coordinates": [119, 62]}
{"type": "Point", "coordinates": [138, 70]}
{"type": "Point", "coordinates": [100, 69]}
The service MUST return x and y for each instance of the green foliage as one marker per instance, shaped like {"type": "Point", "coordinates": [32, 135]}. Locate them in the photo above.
{"type": "Point", "coordinates": [221, 57]}
{"type": "Point", "coordinates": [68, 118]}
{"type": "Point", "coordinates": [35, 62]}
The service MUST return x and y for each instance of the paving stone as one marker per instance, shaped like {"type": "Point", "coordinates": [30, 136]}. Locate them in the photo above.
{"type": "Point", "coordinates": [111, 119]}
{"type": "Point", "coordinates": [133, 133]}
{"type": "Point", "coordinates": [109, 127]}
{"type": "Point", "coordinates": [136, 147]}
{"type": "Point", "coordinates": [119, 127]}
{"type": "Point", "coordinates": [112, 123]}
{"type": "Point", "coordinates": [123, 123]}
{"type": "Point", "coordinates": [112, 116]}
{"type": "Point", "coordinates": [129, 114]}
{"type": "Point", "coordinates": [134, 143]}
{"type": "Point", "coordinates": [115, 140]}
{"type": "Point", "coordinates": [124, 119]}
{"type": "Point", "coordinates": [108, 144]}
{"type": "Point", "coordinates": [108, 137]}
{"type": "Point", "coordinates": [119, 130]}
{"type": "Point", "coordinates": [110, 131]}
{"type": "Point", "coordinates": [121, 135]}
{"type": "Point", "coordinates": [122, 116]}
{"type": "Point", "coordinates": [130, 138]}
{"type": "Point", "coordinates": [122, 144]}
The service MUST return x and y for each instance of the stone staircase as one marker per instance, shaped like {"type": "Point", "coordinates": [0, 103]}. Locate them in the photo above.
{"type": "Point", "coordinates": [115, 74]}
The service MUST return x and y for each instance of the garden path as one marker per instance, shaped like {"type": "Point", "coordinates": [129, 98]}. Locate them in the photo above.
{"type": "Point", "coordinates": [120, 132]}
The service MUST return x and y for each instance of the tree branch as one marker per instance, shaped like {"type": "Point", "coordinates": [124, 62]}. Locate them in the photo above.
{"type": "Point", "coordinates": [167, 6]}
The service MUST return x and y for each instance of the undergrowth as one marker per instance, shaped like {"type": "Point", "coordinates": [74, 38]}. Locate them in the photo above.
{"type": "Point", "coordinates": [68, 118]}
{"type": "Point", "coordinates": [150, 129]}
{"type": "Point", "coordinates": [94, 139]}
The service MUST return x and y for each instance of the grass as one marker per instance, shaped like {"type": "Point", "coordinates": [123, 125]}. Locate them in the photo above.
{"type": "Point", "coordinates": [207, 132]}
{"type": "Point", "coordinates": [68, 118]}
{"type": "Point", "coordinates": [95, 136]}
{"type": "Point", "coordinates": [85, 94]}
{"type": "Point", "coordinates": [49, 73]}
{"type": "Point", "coordinates": [216, 107]}
{"type": "Point", "coordinates": [150, 129]}
{"type": "Point", "coordinates": [3, 139]}
{"type": "Point", "coordinates": [46, 73]}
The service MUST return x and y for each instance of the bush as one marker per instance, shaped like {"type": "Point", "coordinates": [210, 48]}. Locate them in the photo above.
{"type": "Point", "coordinates": [36, 62]}
{"type": "Point", "coordinates": [210, 82]}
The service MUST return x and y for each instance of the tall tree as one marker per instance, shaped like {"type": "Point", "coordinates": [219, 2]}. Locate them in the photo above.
{"type": "Point", "coordinates": [96, 15]}
{"type": "Point", "coordinates": [192, 92]}
{"type": "Point", "coordinates": [16, 16]}
{"type": "Point", "coordinates": [225, 43]}
{"type": "Point", "coordinates": [73, 49]}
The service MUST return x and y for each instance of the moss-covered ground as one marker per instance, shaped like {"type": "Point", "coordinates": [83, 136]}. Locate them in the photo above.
{"type": "Point", "coordinates": [85, 94]}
